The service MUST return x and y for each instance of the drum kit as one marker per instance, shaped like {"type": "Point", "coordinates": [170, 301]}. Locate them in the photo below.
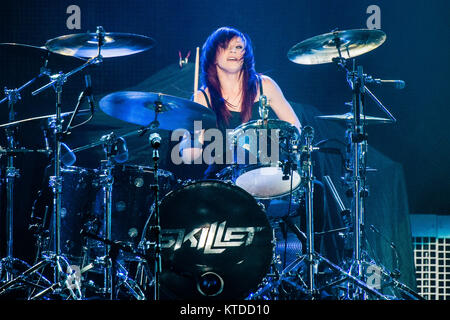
{"type": "Point", "coordinates": [135, 232]}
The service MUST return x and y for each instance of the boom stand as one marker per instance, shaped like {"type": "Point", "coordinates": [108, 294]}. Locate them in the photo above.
{"type": "Point", "coordinates": [358, 141]}
{"type": "Point", "coordinates": [313, 259]}
{"type": "Point", "coordinates": [57, 82]}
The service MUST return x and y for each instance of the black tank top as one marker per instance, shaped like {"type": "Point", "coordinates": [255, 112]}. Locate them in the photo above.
{"type": "Point", "coordinates": [233, 122]}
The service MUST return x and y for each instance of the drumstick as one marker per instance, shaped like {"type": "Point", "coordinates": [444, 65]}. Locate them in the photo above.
{"type": "Point", "coordinates": [196, 70]}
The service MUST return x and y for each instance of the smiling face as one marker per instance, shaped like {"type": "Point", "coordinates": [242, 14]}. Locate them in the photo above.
{"type": "Point", "coordinates": [230, 57]}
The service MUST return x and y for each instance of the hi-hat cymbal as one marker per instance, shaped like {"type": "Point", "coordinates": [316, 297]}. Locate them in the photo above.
{"type": "Point", "coordinates": [348, 117]}
{"type": "Point", "coordinates": [85, 45]}
{"type": "Point", "coordinates": [140, 108]}
{"type": "Point", "coordinates": [345, 44]}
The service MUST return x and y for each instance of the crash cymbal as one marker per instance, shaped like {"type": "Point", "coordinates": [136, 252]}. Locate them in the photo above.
{"type": "Point", "coordinates": [348, 117]}
{"type": "Point", "coordinates": [85, 45]}
{"type": "Point", "coordinates": [28, 49]}
{"type": "Point", "coordinates": [65, 114]}
{"type": "Point", "coordinates": [24, 52]}
{"type": "Point", "coordinates": [324, 48]}
{"type": "Point", "coordinates": [140, 108]}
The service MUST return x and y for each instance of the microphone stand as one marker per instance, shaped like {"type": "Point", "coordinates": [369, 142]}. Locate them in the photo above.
{"type": "Point", "coordinates": [155, 142]}
{"type": "Point", "coordinates": [140, 132]}
{"type": "Point", "coordinates": [157, 227]}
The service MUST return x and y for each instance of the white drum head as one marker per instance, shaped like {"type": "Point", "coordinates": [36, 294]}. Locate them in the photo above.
{"type": "Point", "coordinates": [267, 182]}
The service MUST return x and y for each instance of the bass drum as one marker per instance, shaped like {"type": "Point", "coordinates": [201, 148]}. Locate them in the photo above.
{"type": "Point", "coordinates": [216, 242]}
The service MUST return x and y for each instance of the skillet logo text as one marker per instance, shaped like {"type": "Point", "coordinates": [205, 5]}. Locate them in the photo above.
{"type": "Point", "coordinates": [213, 239]}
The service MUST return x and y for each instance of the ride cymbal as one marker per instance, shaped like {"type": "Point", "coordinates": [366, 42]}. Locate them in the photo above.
{"type": "Point", "coordinates": [348, 117]}
{"type": "Point", "coordinates": [338, 44]}
{"type": "Point", "coordinates": [145, 108]}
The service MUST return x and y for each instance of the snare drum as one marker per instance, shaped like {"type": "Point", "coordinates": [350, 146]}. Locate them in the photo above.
{"type": "Point", "coordinates": [270, 167]}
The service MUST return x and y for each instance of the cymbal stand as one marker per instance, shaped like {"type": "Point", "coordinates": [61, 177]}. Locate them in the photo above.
{"type": "Point", "coordinates": [12, 96]}
{"type": "Point", "coordinates": [107, 181]}
{"type": "Point", "coordinates": [357, 138]}
{"type": "Point", "coordinates": [155, 142]}
{"type": "Point", "coordinates": [116, 152]}
{"type": "Point", "coordinates": [309, 192]}
{"type": "Point", "coordinates": [312, 258]}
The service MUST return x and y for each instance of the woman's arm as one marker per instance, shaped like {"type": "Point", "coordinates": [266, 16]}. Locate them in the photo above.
{"type": "Point", "coordinates": [278, 102]}
{"type": "Point", "coordinates": [191, 147]}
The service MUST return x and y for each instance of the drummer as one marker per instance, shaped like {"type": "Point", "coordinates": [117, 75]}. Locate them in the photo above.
{"type": "Point", "coordinates": [232, 88]}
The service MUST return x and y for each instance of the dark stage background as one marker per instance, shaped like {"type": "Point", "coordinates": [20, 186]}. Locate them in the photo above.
{"type": "Point", "coordinates": [412, 155]}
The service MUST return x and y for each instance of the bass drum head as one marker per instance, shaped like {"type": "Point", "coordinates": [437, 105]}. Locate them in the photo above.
{"type": "Point", "coordinates": [216, 242]}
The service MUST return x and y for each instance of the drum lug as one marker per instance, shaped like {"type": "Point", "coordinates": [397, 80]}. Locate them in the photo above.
{"type": "Point", "coordinates": [262, 206]}
{"type": "Point", "coordinates": [228, 182]}
{"type": "Point", "coordinates": [186, 182]}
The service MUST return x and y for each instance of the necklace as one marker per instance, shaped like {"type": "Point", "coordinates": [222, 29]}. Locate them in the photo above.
{"type": "Point", "coordinates": [230, 105]}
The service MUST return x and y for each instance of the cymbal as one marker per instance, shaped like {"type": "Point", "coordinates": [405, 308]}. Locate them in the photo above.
{"type": "Point", "coordinates": [29, 52]}
{"type": "Point", "coordinates": [25, 47]}
{"type": "Point", "coordinates": [85, 45]}
{"type": "Point", "coordinates": [139, 108]}
{"type": "Point", "coordinates": [65, 114]}
{"type": "Point", "coordinates": [324, 48]}
{"type": "Point", "coordinates": [348, 117]}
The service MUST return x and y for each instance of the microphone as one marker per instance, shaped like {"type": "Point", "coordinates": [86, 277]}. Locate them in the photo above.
{"type": "Point", "coordinates": [308, 132]}
{"type": "Point", "coordinates": [155, 140]}
{"type": "Point", "coordinates": [398, 84]}
{"type": "Point", "coordinates": [68, 158]}
{"type": "Point", "coordinates": [120, 150]}
{"type": "Point", "coordinates": [88, 92]}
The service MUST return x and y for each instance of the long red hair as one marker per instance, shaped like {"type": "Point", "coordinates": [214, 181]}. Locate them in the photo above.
{"type": "Point", "coordinates": [220, 38]}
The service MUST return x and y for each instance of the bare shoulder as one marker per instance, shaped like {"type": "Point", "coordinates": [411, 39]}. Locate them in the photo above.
{"type": "Point", "coordinates": [269, 85]}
